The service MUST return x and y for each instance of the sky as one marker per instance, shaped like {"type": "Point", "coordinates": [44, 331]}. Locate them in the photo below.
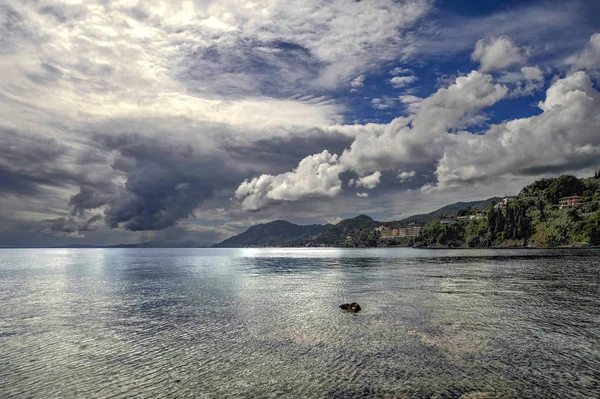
{"type": "Point", "coordinates": [128, 121]}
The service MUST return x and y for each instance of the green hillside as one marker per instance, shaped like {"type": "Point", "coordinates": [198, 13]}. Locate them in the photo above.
{"type": "Point", "coordinates": [273, 234]}
{"type": "Point", "coordinates": [360, 229]}
{"type": "Point", "coordinates": [533, 219]}
{"type": "Point", "coordinates": [448, 210]}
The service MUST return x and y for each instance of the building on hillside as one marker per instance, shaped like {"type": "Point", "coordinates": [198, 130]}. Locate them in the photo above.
{"type": "Point", "coordinates": [463, 218]}
{"type": "Point", "coordinates": [505, 201]}
{"type": "Point", "coordinates": [412, 230]}
{"type": "Point", "coordinates": [386, 232]}
{"type": "Point", "coordinates": [568, 202]}
{"type": "Point", "coordinates": [349, 241]}
{"type": "Point", "coordinates": [478, 216]}
{"type": "Point", "coordinates": [448, 221]}
{"type": "Point", "coordinates": [395, 232]}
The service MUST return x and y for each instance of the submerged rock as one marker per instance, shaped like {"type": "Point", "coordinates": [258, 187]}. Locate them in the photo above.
{"type": "Point", "coordinates": [351, 307]}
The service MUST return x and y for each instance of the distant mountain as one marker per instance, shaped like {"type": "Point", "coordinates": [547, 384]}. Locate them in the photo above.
{"type": "Point", "coordinates": [448, 210]}
{"type": "Point", "coordinates": [358, 222]}
{"type": "Point", "coordinates": [275, 233]}
{"type": "Point", "coordinates": [281, 233]}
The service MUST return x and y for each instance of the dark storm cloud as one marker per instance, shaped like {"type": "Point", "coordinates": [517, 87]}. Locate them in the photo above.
{"type": "Point", "coordinates": [576, 163]}
{"type": "Point", "coordinates": [165, 183]}
{"type": "Point", "coordinates": [69, 226]}
{"type": "Point", "coordinates": [14, 182]}
{"type": "Point", "coordinates": [87, 198]}
{"type": "Point", "coordinates": [19, 149]}
{"type": "Point", "coordinates": [156, 197]}
{"type": "Point", "coordinates": [27, 161]}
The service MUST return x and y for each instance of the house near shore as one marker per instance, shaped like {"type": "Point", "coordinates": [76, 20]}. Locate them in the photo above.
{"type": "Point", "coordinates": [569, 202]}
{"type": "Point", "coordinates": [388, 232]}
{"type": "Point", "coordinates": [385, 232]}
{"type": "Point", "coordinates": [412, 230]}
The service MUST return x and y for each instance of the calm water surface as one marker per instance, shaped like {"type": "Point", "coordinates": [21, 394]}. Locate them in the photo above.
{"type": "Point", "coordinates": [259, 323]}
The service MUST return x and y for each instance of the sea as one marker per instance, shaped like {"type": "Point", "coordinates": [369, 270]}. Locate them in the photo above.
{"type": "Point", "coordinates": [266, 323]}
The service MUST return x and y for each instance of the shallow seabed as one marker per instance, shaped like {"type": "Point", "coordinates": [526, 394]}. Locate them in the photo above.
{"type": "Point", "coordinates": [261, 323]}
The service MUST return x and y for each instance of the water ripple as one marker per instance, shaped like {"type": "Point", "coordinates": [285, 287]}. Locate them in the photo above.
{"type": "Point", "coordinates": [265, 324]}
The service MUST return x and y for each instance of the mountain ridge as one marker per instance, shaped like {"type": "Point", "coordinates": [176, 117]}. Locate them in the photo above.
{"type": "Point", "coordinates": [284, 233]}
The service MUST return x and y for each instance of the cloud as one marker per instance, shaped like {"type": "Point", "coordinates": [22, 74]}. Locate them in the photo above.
{"type": "Point", "coordinates": [399, 82]}
{"type": "Point", "coordinates": [420, 139]}
{"type": "Point", "coordinates": [405, 176]}
{"type": "Point", "coordinates": [384, 103]}
{"type": "Point", "coordinates": [496, 53]}
{"type": "Point", "coordinates": [412, 103]}
{"type": "Point", "coordinates": [316, 176]}
{"type": "Point", "coordinates": [589, 58]}
{"type": "Point", "coordinates": [357, 82]}
{"type": "Point", "coordinates": [534, 23]}
{"type": "Point", "coordinates": [566, 130]}
{"type": "Point", "coordinates": [69, 227]}
{"type": "Point", "coordinates": [401, 71]}
{"type": "Point", "coordinates": [362, 195]}
{"type": "Point", "coordinates": [527, 81]}
{"type": "Point", "coordinates": [369, 181]}
{"type": "Point", "coordinates": [300, 43]}
{"type": "Point", "coordinates": [334, 220]}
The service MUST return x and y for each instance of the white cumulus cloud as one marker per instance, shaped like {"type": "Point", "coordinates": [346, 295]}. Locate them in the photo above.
{"type": "Point", "coordinates": [400, 81]}
{"type": "Point", "coordinates": [563, 137]}
{"type": "Point", "coordinates": [496, 53]}
{"type": "Point", "coordinates": [369, 181]}
{"type": "Point", "coordinates": [589, 58]}
{"type": "Point", "coordinates": [419, 139]}
{"type": "Point", "coordinates": [316, 176]}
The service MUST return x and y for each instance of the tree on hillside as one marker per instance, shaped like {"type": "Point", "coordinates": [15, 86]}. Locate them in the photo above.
{"type": "Point", "coordinates": [537, 188]}
{"type": "Point", "coordinates": [592, 229]}
{"type": "Point", "coordinates": [495, 220]}
{"type": "Point", "coordinates": [477, 234]}
{"type": "Point", "coordinates": [563, 186]}
{"type": "Point", "coordinates": [435, 233]}
{"type": "Point", "coordinates": [464, 212]}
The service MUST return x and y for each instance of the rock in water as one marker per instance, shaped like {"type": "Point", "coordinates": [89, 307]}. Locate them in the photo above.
{"type": "Point", "coordinates": [351, 307]}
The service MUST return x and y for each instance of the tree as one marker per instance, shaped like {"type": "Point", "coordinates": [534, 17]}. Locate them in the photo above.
{"type": "Point", "coordinates": [592, 229]}
{"type": "Point", "coordinates": [464, 212]}
{"type": "Point", "coordinates": [563, 186]}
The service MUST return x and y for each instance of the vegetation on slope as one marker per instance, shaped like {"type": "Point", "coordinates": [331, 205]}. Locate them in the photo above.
{"type": "Point", "coordinates": [273, 234]}
{"type": "Point", "coordinates": [446, 211]}
{"type": "Point", "coordinates": [533, 219]}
